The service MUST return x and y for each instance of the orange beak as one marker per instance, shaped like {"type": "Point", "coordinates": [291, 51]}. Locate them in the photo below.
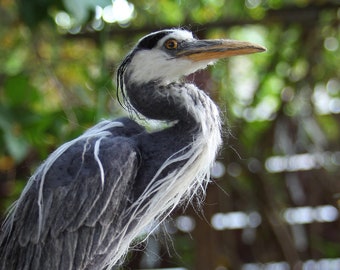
{"type": "Point", "coordinates": [202, 50]}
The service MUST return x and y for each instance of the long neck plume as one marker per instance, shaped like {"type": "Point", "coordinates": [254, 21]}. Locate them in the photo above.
{"type": "Point", "coordinates": [190, 107]}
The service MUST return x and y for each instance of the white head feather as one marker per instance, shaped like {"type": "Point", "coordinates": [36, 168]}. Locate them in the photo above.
{"type": "Point", "coordinates": [156, 64]}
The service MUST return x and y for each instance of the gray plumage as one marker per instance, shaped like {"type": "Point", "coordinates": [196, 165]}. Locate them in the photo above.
{"type": "Point", "coordinates": [81, 213]}
{"type": "Point", "coordinates": [94, 195]}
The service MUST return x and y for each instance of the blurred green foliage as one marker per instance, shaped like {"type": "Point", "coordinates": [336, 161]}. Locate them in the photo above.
{"type": "Point", "coordinates": [58, 60]}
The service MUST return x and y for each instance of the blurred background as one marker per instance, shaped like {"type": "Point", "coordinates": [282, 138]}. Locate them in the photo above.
{"type": "Point", "coordinates": [274, 198]}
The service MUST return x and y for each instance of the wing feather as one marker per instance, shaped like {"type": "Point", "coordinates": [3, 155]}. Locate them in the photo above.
{"type": "Point", "coordinates": [83, 194]}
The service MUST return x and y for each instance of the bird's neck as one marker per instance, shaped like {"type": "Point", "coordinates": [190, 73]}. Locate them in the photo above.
{"type": "Point", "coordinates": [197, 118]}
{"type": "Point", "coordinates": [182, 153]}
{"type": "Point", "coordinates": [181, 102]}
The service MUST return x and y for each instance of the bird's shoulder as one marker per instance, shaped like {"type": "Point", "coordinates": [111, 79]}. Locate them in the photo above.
{"type": "Point", "coordinates": [106, 146]}
{"type": "Point", "coordinates": [77, 193]}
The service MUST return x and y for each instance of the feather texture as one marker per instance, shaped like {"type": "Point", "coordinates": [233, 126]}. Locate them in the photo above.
{"type": "Point", "coordinates": [66, 206]}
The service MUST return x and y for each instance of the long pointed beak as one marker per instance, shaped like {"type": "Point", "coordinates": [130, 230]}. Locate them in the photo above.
{"type": "Point", "coordinates": [201, 50]}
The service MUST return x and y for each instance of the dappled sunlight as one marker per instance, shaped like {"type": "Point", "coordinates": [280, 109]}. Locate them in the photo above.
{"type": "Point", "coordinates": [119, 11]}
{"type": "Point", "coordinates": [302, 162]}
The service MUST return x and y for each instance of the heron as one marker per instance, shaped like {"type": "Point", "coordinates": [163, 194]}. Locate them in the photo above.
{"type": "Point", "coordinates": [93, 196]}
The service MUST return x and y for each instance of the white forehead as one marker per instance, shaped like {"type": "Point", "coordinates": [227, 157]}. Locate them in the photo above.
{"type": "Point", "coordinates": [177, 34]}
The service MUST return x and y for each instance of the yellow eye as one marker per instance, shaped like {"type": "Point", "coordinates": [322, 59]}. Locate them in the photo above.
{"type": "Point", "coordinates": [171, 44]}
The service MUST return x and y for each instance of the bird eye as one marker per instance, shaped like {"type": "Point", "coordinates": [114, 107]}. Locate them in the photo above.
{"type": "Point", "coordinates": [171, 44]}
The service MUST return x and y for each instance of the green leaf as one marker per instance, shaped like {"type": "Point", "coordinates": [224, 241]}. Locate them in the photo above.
{"type": "Point", "coordinates": [19, 91]}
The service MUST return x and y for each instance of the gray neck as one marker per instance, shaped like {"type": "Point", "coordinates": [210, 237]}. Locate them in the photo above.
{"type": "Point", "coordinates": [161, 102]}
{"type": "Point", "coordinates": [196, 133]}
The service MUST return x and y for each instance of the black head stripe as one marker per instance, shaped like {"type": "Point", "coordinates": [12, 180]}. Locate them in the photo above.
{"type": "Point", "coordinates": [151, 40]}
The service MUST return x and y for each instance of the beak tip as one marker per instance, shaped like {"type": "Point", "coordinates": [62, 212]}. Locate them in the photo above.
{"type": "Point", "coordinates": [256, 48]}
{"type": "Point", "coordinates": [262, 49]}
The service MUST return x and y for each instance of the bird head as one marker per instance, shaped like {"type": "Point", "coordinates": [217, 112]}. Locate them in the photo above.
{"type": "Point", "coordinates": [167, 55]}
